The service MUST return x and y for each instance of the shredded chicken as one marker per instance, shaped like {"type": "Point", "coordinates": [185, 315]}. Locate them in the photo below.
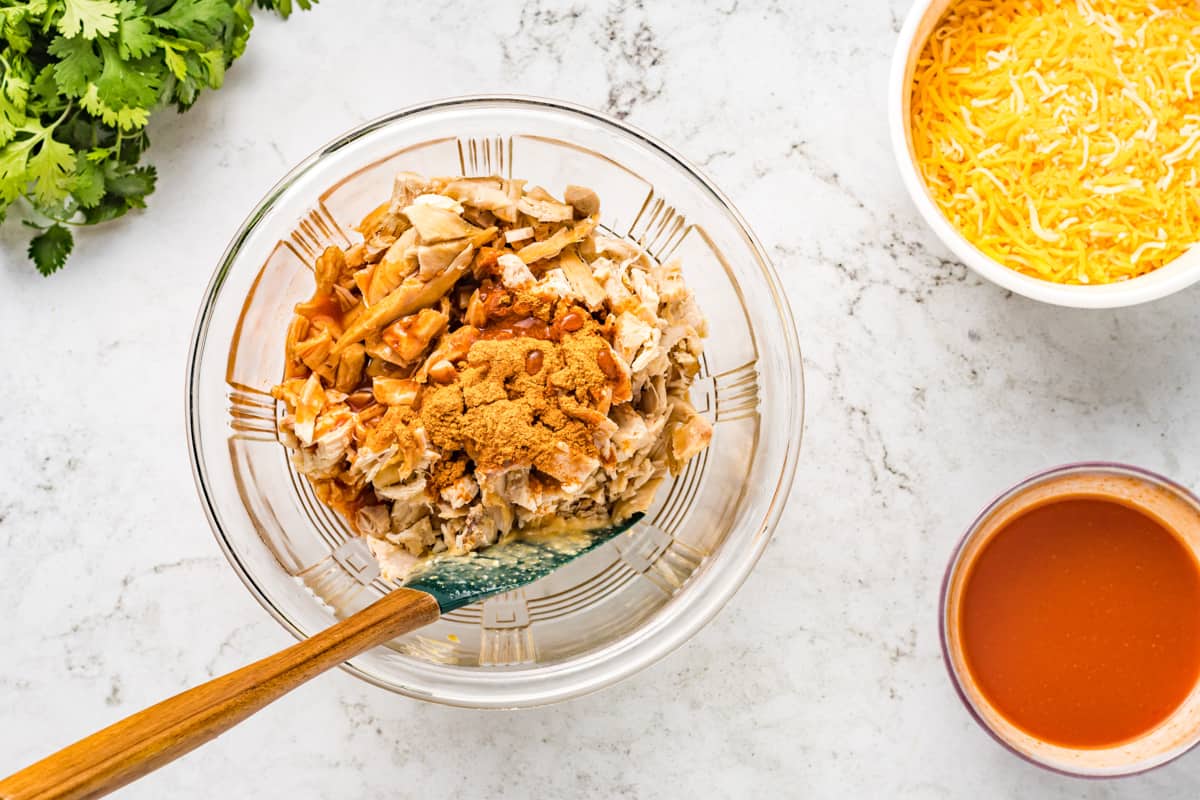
{"type": "Point", "coordinates": [486, 361]}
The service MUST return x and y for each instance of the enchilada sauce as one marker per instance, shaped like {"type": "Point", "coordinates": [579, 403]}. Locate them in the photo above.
{"type": "Point", "coordinates": [1080, 622]}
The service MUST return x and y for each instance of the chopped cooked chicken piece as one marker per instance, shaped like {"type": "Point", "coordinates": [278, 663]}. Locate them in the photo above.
{"type": "Point", "coordinates": [350, 368]}
{"type": "Point", "coordinates": [608, 273]}
{"type": "Point", "coordinates": [434, 258]}
{"type": "Point", "coordinates": [381, 353]}
{"type": "Point", "coordinates": [585, 202]}
{"type": "Point", "coordinates": [650, 353]}
{"type": "Point", "coordinates": [671, 288]}
{"type": "Point", "coordinates": [402, 494]}
{"type": "Point", "coordinates": [375, 247]}
{"type": "Point", "coordinates": [631, 334]}
{"type": "Point", "coordinates": [453, 346]}
{"type": "Point", "coordinates": [561, 239]}
{"type": "Point", "coordinates": [689, 314]}
{"type": "Point", "coordinates": [314, 352]}
{"type": "Point", "coordinates": [632, 433]}
{"type": "Point", "coordinates": [514, 275]}
{"type": "Point", "coordinates": [583, 282]}
{"type": "Point", "coordinates": [404, 517]}
{"type": "Point", "coordinates": [640, 282]}
{"type": "Point", "coordinates": [483, 193]}
{"type": "Point", "coordinates": [308, 405]}
{"type": "Point", "coordinates": [435, 224]}
{"type": "Point", "coordinates": [617, 249]}
{"type": "Point", "coordinates": [394, 391]}
{"type": "Point", "coordinates": [354, 256]}
{"type": "Point", "coordinates": [407, 187]}
{"type": "Point", "coordinates": [569, 467]}
{"type": "Point", "coordinates": [416, 538]}
{"type": "Point", "coordinates": [409, 337]}
{"type": "Point", "coordinates": [461, 492]}
{"type": "Point", "coordinates": [373, 520]}
{"type": "Point", "coordinates": [511, 483]}
{"type": "Point", "coordinates": [406, 299]}
{"type": "Point", "coordinates": [368, 463]}
{"type": "Point", "coordinates": [328, 270]}
{"type": "Point", "coordinates": [640, 500]}
{"type": "Point", "coordinates": [480, 530]}
{"type": "Point", "coordinates": [691, 435]}
{"type": "Point", "coordinates": [397, 263]}
{"type": "Point", "coordinates": [332, 435]}
{"type": "Point", "coordinates": [395, 563]}
{"type": "Point", "coordinates": [553, 285]}
{"type": "Point", "coordinates": [545, 210]}
{"type": "Point", "coordinates": [440, 201]}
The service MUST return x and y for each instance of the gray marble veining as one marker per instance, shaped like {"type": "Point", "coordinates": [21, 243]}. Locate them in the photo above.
{"type": "Point", "coordinates": [927, 392]}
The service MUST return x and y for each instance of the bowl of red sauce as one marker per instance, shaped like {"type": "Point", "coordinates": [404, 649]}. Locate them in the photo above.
{"type": "Point", "coordinates": [1070, 619]}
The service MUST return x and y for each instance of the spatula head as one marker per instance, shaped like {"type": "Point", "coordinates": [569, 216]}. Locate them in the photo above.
{"type": "Point", "coordinates": [456, 581]}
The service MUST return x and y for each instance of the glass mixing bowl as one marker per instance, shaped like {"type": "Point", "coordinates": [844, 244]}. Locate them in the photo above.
{"type": "Point", "coordinates": [605, 615]}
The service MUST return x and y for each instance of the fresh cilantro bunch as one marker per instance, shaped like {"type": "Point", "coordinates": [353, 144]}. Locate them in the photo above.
{"type": "Point", "coordinates": [78, 81]}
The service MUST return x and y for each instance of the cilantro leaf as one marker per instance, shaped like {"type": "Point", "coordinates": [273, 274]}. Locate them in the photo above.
{"type": "Point", "coordinates": [14, 22]}
{"type": "Point", "coordinates": [44, 89]}
{"type": "Point", "coordinates": [28, 8]}
{"type": "Point", "coordinates": [14, 161]}
{"type": "Point", "coordinates": [107, 209]}
{"type": "Point", "coordinates": [284, 7]}
{"type": "Point", "coordinates": [123, 118]}
{"type": "Point", "coordinates": [214, 67]}
{"type": "Point", "coordinates": [49, 168]}
{"type": "Point", "coordinates": [18, 36]}
{"type": "Point", "coordinates": [14, 95]}
{"type": "Point", "coordinates": [131, 185]}
{"type": "Point", "coordinates": [127, 84]}
{"type": "Point", "coordinates": [111, 208]}
{"type": "Point", "coordinates": [78, 65]}
{"type": "Point", "coordinates": [7, 129]}
{"type": "Point", "coordinates": [16, 88]}
{"type": "Point", "coordinates": [50, 248]}
{"type": "Point", "coordinates": [243, 24]}
{"type": "Point", "coordinates": [196, 19]}
{"type": "Point", "coordinates": [175, 62]}
{"type": "Point", "coordinates": [135, 32]}
{"type": "Point", "coordinates": [126, 188]}
{"type": "Point", "coordinates": [88, 186]}
{"type": "Point", "coordinates": [92, 18]}
{"type": "Point", "coordinates": [11, 118]}
{"type": "Point", "coordinates": [89, 136]}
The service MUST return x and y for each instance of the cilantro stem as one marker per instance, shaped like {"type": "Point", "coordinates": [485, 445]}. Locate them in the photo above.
{"type": "Point", "coordinates": [61, 117]}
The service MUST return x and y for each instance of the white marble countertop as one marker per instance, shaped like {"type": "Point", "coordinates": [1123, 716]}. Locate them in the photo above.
{"type": "Point", "coordinates": [928, 391]}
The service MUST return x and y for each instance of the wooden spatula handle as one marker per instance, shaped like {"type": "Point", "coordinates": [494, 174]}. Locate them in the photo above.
{"type": "Point", "coordinates": [139, 744]}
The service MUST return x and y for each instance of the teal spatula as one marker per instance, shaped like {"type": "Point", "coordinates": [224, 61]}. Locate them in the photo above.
{"type": "Point", "coordinates": [139, 744]}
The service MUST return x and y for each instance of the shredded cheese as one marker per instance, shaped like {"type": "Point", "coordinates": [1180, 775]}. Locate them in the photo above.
{"type": "Point", "coordinates": [1063, 138]}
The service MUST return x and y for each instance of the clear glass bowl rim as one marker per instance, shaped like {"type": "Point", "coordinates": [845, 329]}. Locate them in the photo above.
{"type": "Point", "coordinates": [641, 653]}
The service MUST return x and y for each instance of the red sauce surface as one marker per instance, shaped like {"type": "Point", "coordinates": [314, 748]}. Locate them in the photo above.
{"type": "Point", "coordinates": [1080, 622]}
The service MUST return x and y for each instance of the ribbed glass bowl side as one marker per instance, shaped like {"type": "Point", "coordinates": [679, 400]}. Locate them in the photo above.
{"type": "Point", "coordinates": [612, 612]}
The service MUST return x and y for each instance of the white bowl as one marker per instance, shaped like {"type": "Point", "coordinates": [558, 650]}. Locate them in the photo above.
{"type": "Point", "coordinates": [1168, 279]}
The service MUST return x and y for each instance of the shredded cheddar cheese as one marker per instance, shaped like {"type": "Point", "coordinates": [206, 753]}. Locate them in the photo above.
{"type": "Point", "coordinates": [1062, 137]}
